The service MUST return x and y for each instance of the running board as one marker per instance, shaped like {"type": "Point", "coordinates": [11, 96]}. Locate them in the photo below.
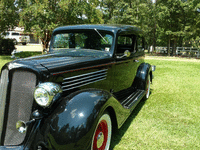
{"type": "Point", "coordinates": [133, 98]}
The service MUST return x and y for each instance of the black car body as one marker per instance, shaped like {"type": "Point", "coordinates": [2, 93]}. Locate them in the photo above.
{"type": "Point", "coordinates": [89, 82]}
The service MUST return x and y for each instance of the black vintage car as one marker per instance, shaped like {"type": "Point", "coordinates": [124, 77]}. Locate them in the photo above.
{"type": "Point", "coordinates": [71, 98]}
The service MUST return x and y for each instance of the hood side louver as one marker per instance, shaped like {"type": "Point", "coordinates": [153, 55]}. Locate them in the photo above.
{"type": "Point", "coordinates": [83, 79]}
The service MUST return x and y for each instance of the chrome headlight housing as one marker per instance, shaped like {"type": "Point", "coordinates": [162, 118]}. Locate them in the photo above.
{"type": "Point", "coordinates": [45, 93]}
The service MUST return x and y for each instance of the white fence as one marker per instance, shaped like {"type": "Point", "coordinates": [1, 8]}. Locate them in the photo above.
{"type": "Point", "coordinates": [162, 49]}
{"type": "Point", "coordinates": [182, 51]}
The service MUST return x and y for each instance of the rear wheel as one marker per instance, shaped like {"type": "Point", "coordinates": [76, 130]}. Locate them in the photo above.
{"type": "Point", "coordinates": [102, 135]}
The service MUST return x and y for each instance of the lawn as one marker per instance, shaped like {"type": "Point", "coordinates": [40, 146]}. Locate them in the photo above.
{"type": "Point", "coordinates": [3, 60]}
{"type": "Point", "coordinates": [169, 119]}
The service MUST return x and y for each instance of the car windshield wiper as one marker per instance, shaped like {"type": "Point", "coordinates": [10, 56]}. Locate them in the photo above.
{"type": "Point", "coordinates": [100, 35]}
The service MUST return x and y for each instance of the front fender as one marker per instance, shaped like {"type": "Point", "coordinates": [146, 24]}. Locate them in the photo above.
{"type": "Point", "coordinates": [140, 80]}
{"type": "Point", "coordinates": [72, 123]}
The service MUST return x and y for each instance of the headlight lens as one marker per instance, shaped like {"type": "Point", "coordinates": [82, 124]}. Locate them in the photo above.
{"type": "Point", "coordinates": [41, 96]}
{"type": "Point", "coordinates": [45, 92]}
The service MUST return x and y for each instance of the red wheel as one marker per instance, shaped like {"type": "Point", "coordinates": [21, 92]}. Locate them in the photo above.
{"type": "Point", "coordinates": [147, 87]}
{"type": "Point", "coordinates": [102, 135]}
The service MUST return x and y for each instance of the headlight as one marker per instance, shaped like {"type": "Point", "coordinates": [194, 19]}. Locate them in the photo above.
{"type": "Point", "coordinates": [44, 93]}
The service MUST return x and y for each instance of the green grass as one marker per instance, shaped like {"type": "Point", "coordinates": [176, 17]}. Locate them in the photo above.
{"type": "Point", "coordinates": [169, 119]}
{"type": "Point", "coordinates": [4, 60]}
{"type": "Point", "coordinates": [27, 54]}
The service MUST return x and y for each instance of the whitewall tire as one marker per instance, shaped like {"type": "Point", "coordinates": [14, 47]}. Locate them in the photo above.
{"type": "Point", "coordinates": [102, 135]}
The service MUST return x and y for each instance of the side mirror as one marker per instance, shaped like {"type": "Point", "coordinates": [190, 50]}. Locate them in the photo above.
{"type": "Point", "coordinates": [127, 53]}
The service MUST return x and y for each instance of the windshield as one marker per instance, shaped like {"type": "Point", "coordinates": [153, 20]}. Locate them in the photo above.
{"type": "Point", "coordinates": [15, 33]}
{"type": "Point", "coordinates": [89, 40]}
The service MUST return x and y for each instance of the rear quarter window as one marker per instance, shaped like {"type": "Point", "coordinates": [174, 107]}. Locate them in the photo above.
{"type": "Point", "coordinates": [140, 43]}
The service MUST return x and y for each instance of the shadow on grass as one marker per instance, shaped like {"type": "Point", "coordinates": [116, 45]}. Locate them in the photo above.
{"type": "Point", "coordinates": [118, 134]}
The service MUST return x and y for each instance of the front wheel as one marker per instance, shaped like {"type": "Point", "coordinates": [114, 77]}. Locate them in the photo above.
{"type": "Point", "coordinates": [102, 135]}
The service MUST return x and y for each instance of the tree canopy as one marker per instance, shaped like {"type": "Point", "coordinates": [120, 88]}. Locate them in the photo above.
{"type": "Point", "coordinates": [42, 16]}
{"type": "Point", "coordinates": [165, 23]}
{"type": "Point", "coordinates": [8, 15]}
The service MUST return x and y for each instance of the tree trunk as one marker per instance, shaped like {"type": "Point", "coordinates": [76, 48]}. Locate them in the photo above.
{"type": "Point", "coordinates": [174, 47]}
{"type": "Point", "coordinates": [168, 48]}
{"type": "Point", "coordinates": [45, 41]}
{"type": "Point", "coordinates": [154, 37]}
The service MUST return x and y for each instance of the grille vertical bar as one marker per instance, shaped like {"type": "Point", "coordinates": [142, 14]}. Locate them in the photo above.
{"type": "Point", "coordinates": [3, 93]}
{"type": "Point", "coordinates": [20, 106]}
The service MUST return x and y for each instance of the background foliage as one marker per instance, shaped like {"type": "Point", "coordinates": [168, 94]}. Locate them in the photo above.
{"type": "Point", "coordinates": [165, 23]}
{"type": "Point", "coordinates": [6, 46]}
{"type": "Point", "coordinates": [8, 15]}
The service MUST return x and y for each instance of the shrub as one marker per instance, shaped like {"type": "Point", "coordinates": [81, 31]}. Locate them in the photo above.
{"type": "Point", "coordinates": [25, 54]}
{"type": "Point", "coordinates": [6, 46]}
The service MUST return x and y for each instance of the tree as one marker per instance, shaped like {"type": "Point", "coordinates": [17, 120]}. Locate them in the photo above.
{"type": "Point", "coordinates": [42, 16]}
{"type": "Point", "coordinates": [8, 15]}
{"type": "Point", "coordinates": [175, 20]}
{"type": "Point", "coordinates": [166, 22]}
{"type": "Point", "coordinates": [108, 7]}
{"type": "Point", "coordinates": [140, 13]}
{"type": "Point", "coordinates": [194, 28]}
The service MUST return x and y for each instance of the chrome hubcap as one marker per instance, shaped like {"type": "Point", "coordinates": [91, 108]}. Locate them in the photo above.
{"type": "Point", "coordinates": [100, 139]}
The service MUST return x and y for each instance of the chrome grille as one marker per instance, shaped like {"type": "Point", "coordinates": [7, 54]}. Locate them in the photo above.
{"type": "Point", "coordinates": [20, 106]}
{"type": "Point", "coordinates": [83, 79]}
{"type": "Point", "coordinates": [3, 92]}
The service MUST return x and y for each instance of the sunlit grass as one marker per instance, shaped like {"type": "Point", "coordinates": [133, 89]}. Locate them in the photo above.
{"type": "Point", "coordinates": [4, 60]}
{"type": "Point", "coordinates": [169, 119]}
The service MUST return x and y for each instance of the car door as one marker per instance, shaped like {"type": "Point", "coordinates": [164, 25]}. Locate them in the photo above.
{"type": "Point", "coordinates": [125, 67]}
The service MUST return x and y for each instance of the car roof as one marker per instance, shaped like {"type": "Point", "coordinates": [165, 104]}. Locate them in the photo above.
{"type": "Point", "coordinates": [126, 29]}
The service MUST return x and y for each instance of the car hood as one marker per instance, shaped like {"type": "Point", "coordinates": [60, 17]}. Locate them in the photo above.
{"type": "Point", "coordinates": [59, 62]}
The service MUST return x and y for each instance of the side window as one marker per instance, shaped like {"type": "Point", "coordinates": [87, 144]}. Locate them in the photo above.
{"type": "Point", "coordinates": [125, 42]}
{"type": "Point", "coordinates": [140, 43]}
